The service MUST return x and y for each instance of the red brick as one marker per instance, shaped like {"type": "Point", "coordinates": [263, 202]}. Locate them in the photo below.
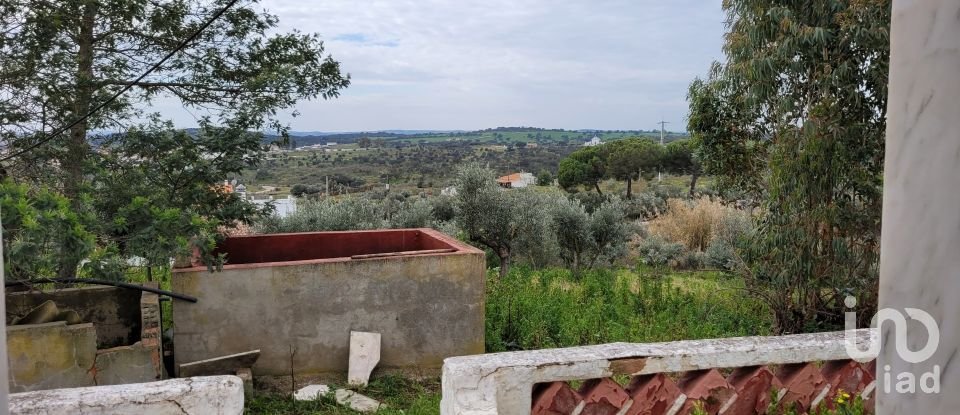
{"type": "Point", "coordinates": [554, 398]}
{"type": "Point", "coordinates": [602, 397]}
{"type": "Point", "coordinates": [753, 384]}
{"type": "Point", "coordinates": [707, 387]}
{"type": "Point", "coordinates": [803, 383]}
{"type": "Point", "coordinates": [652, 394]}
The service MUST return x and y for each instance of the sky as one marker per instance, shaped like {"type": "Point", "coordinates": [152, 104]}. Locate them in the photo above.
{"type": "Point", "coordinates": [466, 64]}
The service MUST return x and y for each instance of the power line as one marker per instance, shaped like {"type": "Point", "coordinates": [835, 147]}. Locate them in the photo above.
{"type": "Point", "coordinates": [126, 87]}
{"type": "Point", "coordinates": [662, 124]}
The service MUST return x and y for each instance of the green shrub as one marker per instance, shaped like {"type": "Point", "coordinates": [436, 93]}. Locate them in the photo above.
{"type": "Point", "coordinates": [645, 205]}
{"type": "Point", "coordinates": [349, 213]}
{"type": "Point", "coordinates": [658, 252]}
{"type": "Point", "coordinates": [589, 200]}
{"type": "Point", "coordinates": [39, 229]}
{"type": "Point", "coordinates": [417, 213]}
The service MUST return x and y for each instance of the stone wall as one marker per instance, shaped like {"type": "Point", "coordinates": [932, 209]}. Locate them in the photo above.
{"type": "Point", "coordinates": [300, 313]}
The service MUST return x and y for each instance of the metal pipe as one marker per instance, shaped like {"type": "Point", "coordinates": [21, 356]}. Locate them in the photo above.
{"type": "Point", "coordinates": [183, 297]}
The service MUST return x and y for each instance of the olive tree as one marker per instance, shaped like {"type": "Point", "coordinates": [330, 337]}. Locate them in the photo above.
{"type": "Point", "coordinates": [494, 217]}
{"type": "Point", "coordinates": [585, 237]}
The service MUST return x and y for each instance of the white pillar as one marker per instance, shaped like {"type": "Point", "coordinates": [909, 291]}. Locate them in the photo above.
{"type": "Point", "coordinates": [920, 246]}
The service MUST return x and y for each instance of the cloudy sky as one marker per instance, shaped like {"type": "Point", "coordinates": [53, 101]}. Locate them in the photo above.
{"type": "Point", "coordinates": [471, 64]}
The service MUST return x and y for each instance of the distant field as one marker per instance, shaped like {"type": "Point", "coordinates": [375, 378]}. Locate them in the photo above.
{"type": "Point", "coordinates": [419, 162]}
{"type": "Point", "coordinates": [502, 135]}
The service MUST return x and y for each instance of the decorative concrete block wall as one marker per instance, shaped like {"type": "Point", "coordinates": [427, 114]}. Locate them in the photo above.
{"type": "Point", "coordinates": [297, 297]}
{"type": "Point", "coordinates": [736, 376]}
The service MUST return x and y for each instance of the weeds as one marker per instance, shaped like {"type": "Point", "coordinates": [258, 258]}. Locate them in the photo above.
{"type": "Point", "coordinates": [550, 308]}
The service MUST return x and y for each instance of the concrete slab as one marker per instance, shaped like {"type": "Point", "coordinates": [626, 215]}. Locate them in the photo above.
{"type": "Point", "coordinates": [311, 392]}
{"type": "Point", "coordinates": [223, 365]}
{"type": "Point", "coordinates": [364, 356]}
{"type": "Point", "coordinates": [215, 395]}
{"type": "Point", "coordinates": [356, 401]}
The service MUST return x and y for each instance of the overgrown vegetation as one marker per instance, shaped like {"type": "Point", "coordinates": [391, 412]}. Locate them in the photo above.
{"type": "Point", "coordinates": [795, 120]}
{"type": "Point", "coordinates": [531, 309]}
{"type": "Point", "coordinates": [147, 191]}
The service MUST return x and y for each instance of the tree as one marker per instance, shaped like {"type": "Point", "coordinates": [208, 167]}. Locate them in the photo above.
{"type": "Point", "coordinates": [545, 178]}
{"type": "Point", "coordinates": [586, 166]}
{"type": "Point", "coordinates": [796, 117]}
{"type": "Point", "coordinates": [494, 217]}
{"type": "Point", "coordinates": [38, 230]}
{"type": "Point", "coordinates": [585, 237]}
{"type": "Point", "coordinates": [679, 157]}
{"type": "Point", "coordinates": [158, 180]}
{"type": "Point", "coordinates": [63, 59]}
{"type": "Point", "coordinates": [571, 224]}
{"type": "Point", "coordinates": [627, 157]}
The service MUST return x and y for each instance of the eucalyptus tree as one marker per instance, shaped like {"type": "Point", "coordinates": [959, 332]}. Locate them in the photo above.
{"type": "Point", "coordinates": [796, 116]}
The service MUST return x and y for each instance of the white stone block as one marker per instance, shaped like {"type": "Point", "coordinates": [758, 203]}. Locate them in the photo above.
{"type": "Point", "coordinates": [364, 356]}
{"type": "Point", "coordinates": [356, 401]}
{"type": "Point", "coordinates": [311, 392]}
{"type": "Point", "coordinates": [211, 395]}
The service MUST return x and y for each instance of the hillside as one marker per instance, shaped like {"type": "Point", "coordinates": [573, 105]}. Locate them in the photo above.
{"type": "Point", "coordinates": [503, 135]}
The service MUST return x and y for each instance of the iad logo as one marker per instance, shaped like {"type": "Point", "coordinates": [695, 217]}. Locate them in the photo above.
{"type": "Point", "coordinates": [907, 382]}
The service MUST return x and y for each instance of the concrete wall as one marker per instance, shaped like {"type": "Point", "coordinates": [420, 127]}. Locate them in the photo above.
{"type": "Point", "coordinates": [115, 311]}
{"type": "Point", "coordinates": [56, 355]}
{"type": "Point", "coordinates": [426, 307]}
{"type": "Point", "coordinates": [51, 355]}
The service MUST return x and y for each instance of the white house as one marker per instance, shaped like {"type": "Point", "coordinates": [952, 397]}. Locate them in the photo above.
{"type": "Point", "coordinates": [517, 180]}
{"type": "Point", "coordinates": [595, 141]}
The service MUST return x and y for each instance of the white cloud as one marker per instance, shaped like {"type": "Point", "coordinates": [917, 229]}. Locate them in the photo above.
{"type": "Point", "coordinates": [448, 64]}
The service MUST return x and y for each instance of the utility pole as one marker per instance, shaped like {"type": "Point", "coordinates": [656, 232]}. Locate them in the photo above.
{"type": "Point", "coordinates": [662, 123]}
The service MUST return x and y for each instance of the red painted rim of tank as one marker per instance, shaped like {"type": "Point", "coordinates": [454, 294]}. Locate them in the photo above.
{"type": "Point", "coordinates": [450, 242]}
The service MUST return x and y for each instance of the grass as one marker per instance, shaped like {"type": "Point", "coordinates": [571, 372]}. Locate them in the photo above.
{"type": "Point", "coordinates": [400, 395]}
{"type": "Point", "coordinates": [552, 308]}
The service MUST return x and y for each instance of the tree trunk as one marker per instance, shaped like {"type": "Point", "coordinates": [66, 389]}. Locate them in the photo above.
{"type": "Point", "coordinates": [77, 148]}
{"type": "Point", "coordinates": [693, 182]}
{"type": "Point", "coordinates": [596, 185]}
{"type": "Point", "coordinates": [504, 256]}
